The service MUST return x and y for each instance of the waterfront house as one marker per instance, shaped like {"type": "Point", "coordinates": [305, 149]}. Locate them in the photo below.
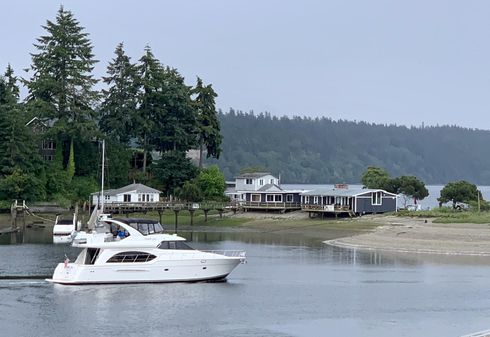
{"type": "Point", "coordinates": [344, 200]}
{"type": "Point", "coordinates": [261, 191]}
{"type": "Point", "coordinates": [133, 193]}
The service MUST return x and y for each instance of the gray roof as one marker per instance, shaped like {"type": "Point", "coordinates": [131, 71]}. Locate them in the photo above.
{"type": "Point", "coordinates": [138, 188]}
{"type": "Point", "coordinates": [342, 192]}
{"type": "Point", "coordinates": [269, 186]}
{"type": "Point", "coordinates": [254, 175]}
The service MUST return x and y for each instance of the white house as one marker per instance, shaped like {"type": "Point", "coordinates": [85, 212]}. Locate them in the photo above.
{"type": "Point", "coordinates": [130, 193]}
{"type": "Point", "coordinates": [249, 182]}
{"type": "Point", "coordinates": [254, 181]}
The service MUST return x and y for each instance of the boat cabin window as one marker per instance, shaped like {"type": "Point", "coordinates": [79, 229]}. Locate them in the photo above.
{"type": "Point", "coordinates": [130, 257]}
{"type": "Point", "coordinates": [147, 228]}
{"type": "Point", "coordinates": [174, 245]}
{"type": "Point", "coordinates": [118, 231]}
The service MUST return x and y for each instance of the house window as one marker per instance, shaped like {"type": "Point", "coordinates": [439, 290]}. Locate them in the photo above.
{"type": "Point", "coordinates": [107, 197]}
{"type": "Point", "coordinates": [255, 197]}
{"type": "Point", "coordinates": [289, 198]}
{"type": "Point", "coordinates": [151, 198]}
{"type": "Point", "coordinates": [48, 157]}
{"type": "Point", "coordinates": [248, 181]}
{"type": "Point", "coordinates": [272, 181]}
{"type": "Point", "coordinates": [48, 145]}
{"type": "Point", "coordinates": [139, 197]}
{"type": "Point", "coordinates": [261, 182]}
{"type": "Point", "coordinates": [127, 197]}
{"type": "Point", "coordinates": [315, 200]}
{"type": "Point", "coordinates": [307, 200]}
{"type": "Point", "coordinates": [274, 197]}
{"type": "Point", "coordinates": [376, 198]}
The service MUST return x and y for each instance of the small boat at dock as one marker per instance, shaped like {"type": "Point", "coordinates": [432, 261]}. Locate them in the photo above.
{"type": "Point", "coordinates": [64, 230]}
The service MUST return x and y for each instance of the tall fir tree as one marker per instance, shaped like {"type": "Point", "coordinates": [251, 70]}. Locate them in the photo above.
{"type": "Point", "coordinates": [209, 135]}
{"type": "Point", "coordinates": [61, 85]}
{"type": "Point", "coordinates": [120, 99]}
{"type": "Point", "coordinates": [149, 71]}
{"type": "Point", "coordinates": [174, 115]}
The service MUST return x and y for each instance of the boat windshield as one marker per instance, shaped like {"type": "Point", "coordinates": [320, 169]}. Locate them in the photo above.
{"type": "Point", "coordinates": [174, 245]}
{"type": "Point", "coordinates": [147, 228]}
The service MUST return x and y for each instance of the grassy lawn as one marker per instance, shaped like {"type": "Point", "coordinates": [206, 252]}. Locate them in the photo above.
{"type": "Point", "coordinates": [448, 215]}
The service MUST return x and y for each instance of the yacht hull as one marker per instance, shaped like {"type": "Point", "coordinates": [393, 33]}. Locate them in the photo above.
{"type": "Point", "coordinates": [193, 270]}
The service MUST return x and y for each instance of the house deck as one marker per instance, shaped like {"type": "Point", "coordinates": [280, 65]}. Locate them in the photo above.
{"type": "Point", "coordinates": [330, 209]}
{"type": "Point", "coordinates": [276, 206]}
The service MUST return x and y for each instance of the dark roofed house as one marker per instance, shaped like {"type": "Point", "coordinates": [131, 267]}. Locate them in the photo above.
{"type": "Point", "coordinates": [343, 199]}
{"type": "Point", "coordinates": [47, 146]}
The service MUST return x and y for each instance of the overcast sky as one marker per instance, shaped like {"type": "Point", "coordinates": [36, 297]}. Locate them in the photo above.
{"type": "Point", "coordinates": [403, 62]}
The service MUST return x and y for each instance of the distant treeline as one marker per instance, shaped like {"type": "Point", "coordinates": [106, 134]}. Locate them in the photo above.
{"type": "Point", "coordinates": [322, 150]}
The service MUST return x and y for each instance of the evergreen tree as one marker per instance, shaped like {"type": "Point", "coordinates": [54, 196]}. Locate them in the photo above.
{"type": "Point", "coordinates": [11, 83]}
{"type": "Point", "coordinates": [174, 118]}
{"type": "Point", "coordinates": [173, 170]}
{"type": "Point", "coordinates": [21, 171]}
{"type": "Point", "coordinates": [120, 100]}
{"type": "Point", "coordinates": [209, 135]}
{"type": "Point", "coordinates": [149, 72]}
{"type": "Point", "coordinates": [61, 86]}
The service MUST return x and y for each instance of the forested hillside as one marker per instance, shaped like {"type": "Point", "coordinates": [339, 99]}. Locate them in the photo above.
{"type": "Point", "coordinates": [321, 150]}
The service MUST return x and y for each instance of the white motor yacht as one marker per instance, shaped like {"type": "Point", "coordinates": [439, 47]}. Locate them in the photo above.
{"type": "Point", "coordinates": [137, 251]}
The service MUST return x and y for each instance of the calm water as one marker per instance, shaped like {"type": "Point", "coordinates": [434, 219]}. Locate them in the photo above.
{"type": "Point", "coordinates": [285, 289]}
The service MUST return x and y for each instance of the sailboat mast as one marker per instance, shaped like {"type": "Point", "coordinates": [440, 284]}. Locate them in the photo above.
{"type": "Point", "coordinates": [102, 183]}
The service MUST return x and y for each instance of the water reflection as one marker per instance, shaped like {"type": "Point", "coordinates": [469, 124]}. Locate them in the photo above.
{"type": "Point", "coordinates": [287, 288]}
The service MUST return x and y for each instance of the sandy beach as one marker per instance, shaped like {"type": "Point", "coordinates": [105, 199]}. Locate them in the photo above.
{"type": "Point", "coordinates": [411, 235]}
{"type": "Point", "coordinates": [381, 233]}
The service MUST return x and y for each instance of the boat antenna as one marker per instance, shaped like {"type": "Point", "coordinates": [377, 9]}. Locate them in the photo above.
{"type": "Point", "coordinates": [102, 183]}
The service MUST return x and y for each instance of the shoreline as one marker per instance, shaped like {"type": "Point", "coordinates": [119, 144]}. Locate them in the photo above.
{"type": "Point", "coordinates": [383, 233]}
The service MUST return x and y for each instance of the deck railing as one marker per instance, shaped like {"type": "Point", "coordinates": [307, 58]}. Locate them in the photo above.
{"type": "Point", "coordinates": [326, 208]}
{"type": "Point", "coordinates": [270, 204]}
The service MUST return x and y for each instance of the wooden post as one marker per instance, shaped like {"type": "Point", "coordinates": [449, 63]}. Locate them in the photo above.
{"type": "Point", "coordinates": [206, 211]}
{"type": "Point", "coordinates": [13, 215]}
{"type": "Point", "coordinates": [160, 216]}
{"type": "Point", "coordinates": [176, 211]}
{"type": "Point", "coordinates": [191, 212]}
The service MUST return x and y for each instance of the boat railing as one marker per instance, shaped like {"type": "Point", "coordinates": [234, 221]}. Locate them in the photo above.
{"type": "Point", "coordinates": [197, 254]}
{"type": "Point", "coordinates": [229, 253]}
{"type": "Point", "coordinates": [485, 333]}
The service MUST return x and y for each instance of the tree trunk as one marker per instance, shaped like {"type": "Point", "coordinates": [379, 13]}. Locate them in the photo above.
{"type": "Point", "coordinates": [201, 145]}
{"type": "Point", "coordinates": [144, 154]}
